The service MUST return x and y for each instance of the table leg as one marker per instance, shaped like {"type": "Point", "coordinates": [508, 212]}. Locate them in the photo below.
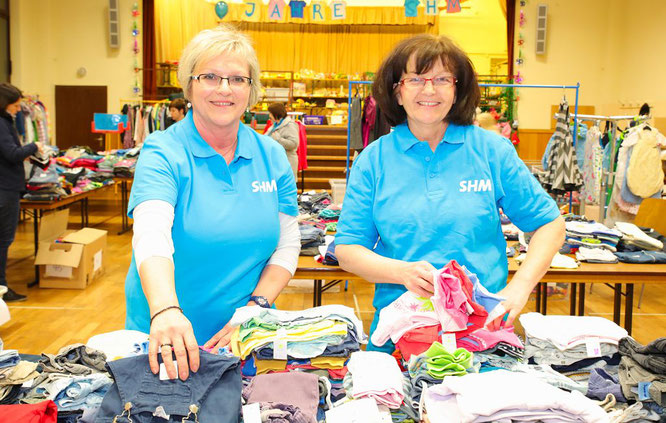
{"type": "Point", "coordinates": [83, 212]}
{"type": "Point", "coordinates": [316, 300]}
{"type": "Point", "coordinates": [572, 299]}
{"type": "Point", "coordinates": [123, 208]}
{"type": "Point", "coordinates": [538, 297]}
{"type": "Point", "coordinates": [628, 307]}
{"type": "Point", "coordinates": [617, 300]}
{"type": "Point", "coordinates": [581, 300]}
{"type": "Point", "coordinates": [35, 217]}
{"type": "Point", "coordinates": [544, 298]}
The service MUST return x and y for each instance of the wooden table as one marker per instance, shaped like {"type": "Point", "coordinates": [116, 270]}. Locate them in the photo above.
{"type": "Point", "coordinates": [613, 275]}
{"type": "Point", "coordinates": [37, 208]}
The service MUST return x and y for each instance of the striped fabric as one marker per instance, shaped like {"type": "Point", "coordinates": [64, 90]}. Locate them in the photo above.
{"type": "Point", "coordinates": [563, 174]}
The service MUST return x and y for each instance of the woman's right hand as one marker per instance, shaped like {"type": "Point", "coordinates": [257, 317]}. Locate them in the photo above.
{"type": "Point", "coordinates": [172, 332]}
{"type": "Point", "coordinates": [40, 146]}
{"type": "Point", "coordinates": [417, 278]}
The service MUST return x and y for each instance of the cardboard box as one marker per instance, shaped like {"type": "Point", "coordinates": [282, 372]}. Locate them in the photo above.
{"type": "Point", "coordinates": [75, 260]}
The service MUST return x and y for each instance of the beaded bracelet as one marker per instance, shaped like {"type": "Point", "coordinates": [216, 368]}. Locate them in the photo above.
{"type": "Point", "coordinates": [162, 311]}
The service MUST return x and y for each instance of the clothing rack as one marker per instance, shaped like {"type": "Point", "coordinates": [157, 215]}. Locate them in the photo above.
{"type": "Point", "coordinates": [607, 177]}
{"type": "Point", "coordinates": [349, 101]}
{"type": "Point", "coordinates": [559, 87]}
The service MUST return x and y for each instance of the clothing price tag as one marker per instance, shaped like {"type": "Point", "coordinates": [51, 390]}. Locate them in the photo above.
{"type": "Point", "coordinates": [163, 372]}
{"type": "Point", "coordinates": [356, 411]}
{"type": "Point", "coordinates": [593, 347]}
{"type": "Point", "coordinates": [252, 413]}
{"type": "Point", "coordinates": [643, 391]}
{"type": "Point", "coordinates": [449, 342]}
{"type": "Point", "coordinates": [280, 345]}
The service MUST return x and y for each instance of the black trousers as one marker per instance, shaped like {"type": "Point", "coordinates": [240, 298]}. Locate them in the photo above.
{"type": "Point", "coordinates": [9, 215]}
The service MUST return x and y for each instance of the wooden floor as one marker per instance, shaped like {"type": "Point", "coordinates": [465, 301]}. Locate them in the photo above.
{"type": "Point", "coordinates": [53, 318]}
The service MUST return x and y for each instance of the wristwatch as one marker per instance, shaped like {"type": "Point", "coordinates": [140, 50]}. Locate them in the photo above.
{"type": "Point", "coordinates": [260, 301]}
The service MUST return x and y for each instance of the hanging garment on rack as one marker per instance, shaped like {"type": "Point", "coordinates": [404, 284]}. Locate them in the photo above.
{"type": "Point", "coordinates": [302, 150]}
{"type": "Point", "coordinates": [645, 176]}
{"type": "Point", "coordinates": [580, 143]}
{"type": "Point", "coordinates": [382, 127]}
{"type": "Point", "coordinates": [633, 200]}
{"type": "Point", "coordinates": [563, 174]}
{"type": "Point", "coordinates": [626, 142]}
{"type": "Point", "coordinates": [355, 124]}
{"type": "Point", "coordinates": [369, 116]}
{"type": "Point", "coordinates": [592, 164]}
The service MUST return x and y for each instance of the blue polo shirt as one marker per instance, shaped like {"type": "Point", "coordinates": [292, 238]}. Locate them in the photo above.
{"type": "Point", "coordinates": [225, 225]}
{"type": "Point", "coordinates": [406, 202]}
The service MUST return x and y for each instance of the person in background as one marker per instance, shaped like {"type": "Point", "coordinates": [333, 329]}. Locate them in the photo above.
{"type": "Point", "coordinates": [214, 208]}
{"type": "Point", "coordinates": [12, 178]}
{"type": "Point", "coordinates": [178, 109]}
{"type": "Point", "coordinates": [285, 131]}
{"type": "Point", "coordinates": [430, 191]}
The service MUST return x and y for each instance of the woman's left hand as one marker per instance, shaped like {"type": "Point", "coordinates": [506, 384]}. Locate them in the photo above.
{"type": "Point", "coordinates": [220, 339]}
{"type": "Point", "coordinates": [516, 293]}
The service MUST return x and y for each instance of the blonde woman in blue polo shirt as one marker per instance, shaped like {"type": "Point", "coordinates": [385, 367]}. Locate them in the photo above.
{"type": "Point", "coordinates": [214, 208]}
{"type": "Point", "coordinates": [430, 191]}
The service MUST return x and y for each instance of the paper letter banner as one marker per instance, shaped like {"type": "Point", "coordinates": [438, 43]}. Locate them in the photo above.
{"type": "Point", "coordinates": [317, 10]}
{"type": "Point", "coordinates": [431, 7]}
{"type": "Point", "coordinates": [276, 10]}
{"type": "Point", "coordinates": [411, 10]}
{"type": "Point", "coordinates": [453, 6]}
{"type": "Point", "coordinates": [251, 12]}
{"type": "Point", "coordinates": [339, 9]}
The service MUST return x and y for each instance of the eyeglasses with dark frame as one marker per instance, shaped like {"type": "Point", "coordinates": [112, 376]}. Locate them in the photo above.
{"type": "Point", "coordinates": [419, 82]}
{"type": "Point", "coordinates": [211, 80]}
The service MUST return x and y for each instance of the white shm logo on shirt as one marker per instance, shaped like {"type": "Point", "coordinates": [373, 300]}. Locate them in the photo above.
{"type": "Point", "coordinates": [264, 186]}
{"type": "Point", "coordinates": [476, 185]}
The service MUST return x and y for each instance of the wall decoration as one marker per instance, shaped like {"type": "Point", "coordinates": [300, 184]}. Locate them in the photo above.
{"type": "Point", "coordinates": [411, 8]}
{"type": "Point", "coordinates": [276, 10]}
{"type": "Point", "coordinates": [297, 8]}
{"type": "Point", "coordinates": [317, 10]}
{"type": "Point", "coordinates": [431, 7]}
{"type": "Point", "coordinates": [338, 9]}
{"type": "Point", "coordinates": [453, 6]}
{"type": "Point", "coordinates": [221, 9]}
{"type": "Point", "coordinates": [251, 12]}
{"type": "Point", "coordinates": [136, 88]}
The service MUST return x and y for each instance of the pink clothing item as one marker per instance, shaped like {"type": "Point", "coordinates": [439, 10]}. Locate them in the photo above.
{"type": "Point", "coordinates": [402, 315]}
{"type": "Point", "coordinates": [302, 150]}
{"type": "Point", "coordinates": [369, 118]}
{"type": "Point", "coordinates": [450, 302]}
{"type": "Point", "coordinates": [447, 301]}
{"type": "Point", "coordinates": [376, 375]}
{"type": "Point", "coordinates": [483, 339]}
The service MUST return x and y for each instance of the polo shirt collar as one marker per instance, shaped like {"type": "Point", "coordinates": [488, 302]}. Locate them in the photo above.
{"type": "Point", "coordinates": [200, 148]}
{"type": "Point", "coordinates": [455, 134]}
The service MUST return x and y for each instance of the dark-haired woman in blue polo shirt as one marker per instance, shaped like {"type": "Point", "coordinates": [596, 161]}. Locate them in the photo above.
{"type": "Point", "coordinates": [430, 191]}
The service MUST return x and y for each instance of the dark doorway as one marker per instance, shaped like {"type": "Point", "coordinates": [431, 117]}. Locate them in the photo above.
{"type": "Point", "coordinates": [75, 105]}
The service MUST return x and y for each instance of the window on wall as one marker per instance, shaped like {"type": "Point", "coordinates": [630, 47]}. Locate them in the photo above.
{"type": "Point", "coordinates": [4, 41]}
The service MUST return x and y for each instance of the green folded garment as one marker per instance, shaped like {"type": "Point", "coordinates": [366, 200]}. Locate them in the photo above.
{"type": "Point", "coordinates": [440, 362]}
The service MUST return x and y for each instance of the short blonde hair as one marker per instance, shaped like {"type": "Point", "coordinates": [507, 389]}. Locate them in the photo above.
{"type": "Point", "coordinates": [210, 43]}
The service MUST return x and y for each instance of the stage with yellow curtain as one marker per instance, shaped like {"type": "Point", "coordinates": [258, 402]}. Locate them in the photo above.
{"type": "Point", "coordinates": [355, 44]}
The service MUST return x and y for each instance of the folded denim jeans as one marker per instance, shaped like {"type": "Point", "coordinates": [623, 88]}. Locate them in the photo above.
{"type": "Point", "coordinates": [212, 394]}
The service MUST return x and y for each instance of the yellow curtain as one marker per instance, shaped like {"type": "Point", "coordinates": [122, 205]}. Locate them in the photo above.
{"type": "Point", "coordinates": [341, 48]}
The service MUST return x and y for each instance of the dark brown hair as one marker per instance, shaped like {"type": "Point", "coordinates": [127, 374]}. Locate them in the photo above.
{"type": "Point", "coordinates": [9, 94]}
{"type": "Point", "coordinates": [427, 49]}
{"type": "Point", "coordinates": [179, 104]}
{"type": "Point", "coordinates": [278, 110]}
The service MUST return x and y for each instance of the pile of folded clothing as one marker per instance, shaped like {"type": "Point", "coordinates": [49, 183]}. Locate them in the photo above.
{"type": "Point", "coordinates": [590, 234]}
{"type": "Point", "coordinates": [642, 372]}
{"type": "Point", "coordinates": [430, 368]}
{"type": "Point", "coordinates": [506, 396]}
{"type": "Point", "coordinates": [125, 168]}
{"type": "Point", "coordinates": [330, 216]}
{"type": "Point", "coordinates": [74, 153]}
{"type": "Point", "coordinates": [376, 375]}
{"type": "Point", "coordinates": [105, 165]}
{"type": "Point", "coordinates": [572, 345]}
{"type": "Point", "coordinates": [318, 340]}
{"type": "Point", "coordinates": [312, 236]}
{"type": "Point", "coordinates": [75, 379]}
{"type": "Point", "coordinates": [311, 203]}
{"type": "Point", "coordinates": [639, 246]}
{"type": "Point", "coordinates": [44, 185]}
